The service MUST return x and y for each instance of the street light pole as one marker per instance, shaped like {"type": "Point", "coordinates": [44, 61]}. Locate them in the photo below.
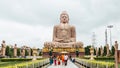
{"type": "Point", "coordinates": [110, 26]}
{"type": "Point", "coordinates": [106, 37]}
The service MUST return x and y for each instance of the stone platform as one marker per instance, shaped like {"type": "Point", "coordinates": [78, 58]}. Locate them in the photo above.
{"type": "Point", "coordinates": [59, 51]}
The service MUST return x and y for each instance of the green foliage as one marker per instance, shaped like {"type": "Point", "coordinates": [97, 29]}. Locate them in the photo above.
{"type": "Point", "coordinates": [105, 51]}
{"type": "Point", "coordinates": [87, 50]}
{"type": "Point", "coordinates": [95, 63]}
{"type": "Point", "coordinates": [11, 53]}
{"type": "Point", "coordinates": [77, 53]}
{"type": "Point", "coordinates": [99, 52]}
{"type": "Point", "coordinates": [14, 59]}
{"type": "Point", "coordinates": [18, 52]}
{"type": "Point", "coordinates": [112, 51]}
{"type": "Point", "coordinates": [31, 52]}
{"type": "Point", "coordinates": [101, 58]}
{"type": "Point", "coordinates": [26, 53]}
{"type": "Point", "coordinates": [50, 53]}
{"type": "Point", "coordinates": [7, 53]}
{"type": "Point", "coordinates": [24, 64]}
{"type": "Point", "coordinates": [94, 51]}
{"type": "Point", "coordinates": [40, 53]}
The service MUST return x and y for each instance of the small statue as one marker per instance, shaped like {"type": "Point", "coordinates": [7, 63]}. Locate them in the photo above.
{"type": "Point", "coordinates": [96, 52]}
{"type": "Point", "coordinates": [107, 47]}
{"type": "Point", "coordinates": [101, 49]}
{"type": "Point", "coordinates": [15, 50]}
{"type": "Point", "coordinates": [116, 45]}
{"type": "Point", "coordinates": [3, 49]}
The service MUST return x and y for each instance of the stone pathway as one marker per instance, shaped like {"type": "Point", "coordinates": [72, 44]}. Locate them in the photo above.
{"type": "Point", "coordinates": [69, 65]}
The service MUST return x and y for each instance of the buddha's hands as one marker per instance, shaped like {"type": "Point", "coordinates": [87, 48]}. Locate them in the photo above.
{"type": "Point", "coordinates": [59, 40]}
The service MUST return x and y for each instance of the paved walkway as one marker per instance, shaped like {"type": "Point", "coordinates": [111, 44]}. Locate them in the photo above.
{"type": "Point", "coordinates": [69, 65]}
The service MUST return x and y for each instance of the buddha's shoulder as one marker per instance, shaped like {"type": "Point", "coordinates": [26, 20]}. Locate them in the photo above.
{"type": "Point", "coordinates": [56, 25]}
{"type": "Point", "coordinates": [72, 26]}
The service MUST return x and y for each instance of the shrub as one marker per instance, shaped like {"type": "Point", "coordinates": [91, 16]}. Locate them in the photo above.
{"type": "Point", "coordinates": [15, 59]}
{"type": "Point", "coordinates": [100, 58]}
{"type": "Point", "coordinates": [95, 63]}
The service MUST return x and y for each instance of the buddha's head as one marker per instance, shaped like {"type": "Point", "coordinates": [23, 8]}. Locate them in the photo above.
{"type": "Point", "coordinates": [64, 17]}
{"type": "Point", "coordinates": [15, 44]}
{"type": "Point", "coordinates": [3, 41]}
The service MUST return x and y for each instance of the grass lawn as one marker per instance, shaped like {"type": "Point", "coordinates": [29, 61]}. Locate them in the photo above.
{"type": "Point", "coordinates": [13, 64]}
{"type": "Point", "coordinates": [4, 64]}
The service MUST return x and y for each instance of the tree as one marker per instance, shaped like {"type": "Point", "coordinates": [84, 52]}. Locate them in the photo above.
{"type": "Point", "coordinates": [18, 51]}
{"type": "Point", "coordinates": [77, 53]}
{"type": "Point", "coordinates": [94, 51]}
{"type": "Point", "coordinates": [26, 53]}
{"type": "Point", "coordinates": [50, 53]}
{"type": "Point", "coordinates": [87, 50]}
{"type": "Point", "coordinates": [105, 51]}
{"type": "Point", "coordinates": [11, 52]}
{"type": "Point", "coordinates": [7, 52]}
{"type": "Point", "coordinates": [112, 51]}
{"type": "Point", "coordinates": [40, 53]}
{"type": "Point", "coordinates": [99, 52]}
{"type": "Point", "coordinates": [31, 52]}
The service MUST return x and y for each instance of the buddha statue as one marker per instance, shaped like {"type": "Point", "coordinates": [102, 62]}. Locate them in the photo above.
{"type": "Point", "coordinates": [64, 34]}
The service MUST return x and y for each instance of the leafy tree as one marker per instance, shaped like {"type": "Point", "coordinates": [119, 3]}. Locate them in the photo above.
{"type": "Point", "coordinates": [26, 53]}
{"type": "Point", "coordinates": [31, 52]}
{"type": "Point", "coordinates": [112, 51]}
{"type": "Point", "coordinates": [18, 51]}
{"type": "Point", "coordinates": [87, 50]}
{"type": "Point", "coordinates": [99, 52]}
{"type": "Point", "coordinates": [40, 53]}
{"type": "Point", "coordinates": [105, 51]}
{"type": "Point", "coordinates": [77, 53]}
{"type": "Point", "coordinates": [11, 52]}
{"type": "Point", "coordinates": [50, 53]}
{"type": "Point", "coordinates": [7, 51]}
{"type": "Point", "coordinates": [94, 51]}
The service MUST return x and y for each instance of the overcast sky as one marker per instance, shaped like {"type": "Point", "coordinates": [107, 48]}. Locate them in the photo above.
{"type": "Point", "coordinates": [31, 22]}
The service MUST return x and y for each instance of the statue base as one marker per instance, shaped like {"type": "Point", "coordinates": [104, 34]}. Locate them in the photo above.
{"type": "Point", "coordinates": [60, 51]}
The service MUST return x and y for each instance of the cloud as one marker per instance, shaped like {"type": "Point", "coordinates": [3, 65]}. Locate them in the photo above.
{"type": "Point", "coordinates": [22, 34]}
{"type": "Point", "coordinates": [23, 21]}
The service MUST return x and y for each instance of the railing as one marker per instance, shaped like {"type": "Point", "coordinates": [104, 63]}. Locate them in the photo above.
{"type": "Point", "coordinates": [94, 64]}
{"type": "Point", "coordinates": [39, 64]}
{"type": "Point", "coordinates": [30, 64]}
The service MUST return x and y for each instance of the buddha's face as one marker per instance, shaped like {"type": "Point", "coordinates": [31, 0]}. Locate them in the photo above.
{"type": "Point", "coordinates": [64, 18]}
{"type": "Point", "coordinates": [3, 41]}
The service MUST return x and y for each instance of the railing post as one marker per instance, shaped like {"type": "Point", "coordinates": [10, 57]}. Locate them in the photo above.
{"type": "Point", "coordinates": [33, 65]}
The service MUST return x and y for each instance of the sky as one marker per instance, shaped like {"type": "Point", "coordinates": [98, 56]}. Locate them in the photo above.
{"type": "Point", "coordinates": [31, 22]}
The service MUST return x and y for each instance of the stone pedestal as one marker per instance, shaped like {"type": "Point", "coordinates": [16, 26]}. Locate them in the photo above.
{"type": "Point", "coordinates": [107, 48]}
{"type": "Point", "coordinates": [3, 49]}
{"type": "Point", "coordinates": [58, 51]}
{"type": "Point", "coordinates": [118, 56]}
{"type": "Point", "coordinates": [101, 50]}
{"type": "Point", "coordinates": [23, 52]}
{"type": "Point", "coordinates": [92, 53]}
{"type": "Point", "coordinates": [34, 53]}
{"type": "Point", "coordinates": [96, 52]}
{"type": "Point", "coordinates": [15, 50]}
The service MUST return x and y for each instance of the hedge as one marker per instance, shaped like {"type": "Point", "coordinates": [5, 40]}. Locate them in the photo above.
{"type": "Point", "coordinates": [94, 63]}
{"type": "Point", "coordinates": [100, 58]}
{"type": "Point", "coordinates": [30, 64]}
{"type": "Point", "coordinates": [15, 59]}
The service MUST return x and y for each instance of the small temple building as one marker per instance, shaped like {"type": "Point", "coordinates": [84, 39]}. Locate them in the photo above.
{"type": "Point", "coordinates": [64, 40]}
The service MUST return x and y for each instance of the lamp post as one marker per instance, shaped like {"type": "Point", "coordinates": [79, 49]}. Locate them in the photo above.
{"type": "Point", "coordinates": [110, 26]}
